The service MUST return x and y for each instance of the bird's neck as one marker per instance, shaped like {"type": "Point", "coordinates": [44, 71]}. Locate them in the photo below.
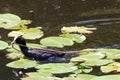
{"type": "Point", "coordinates": [23, 48]}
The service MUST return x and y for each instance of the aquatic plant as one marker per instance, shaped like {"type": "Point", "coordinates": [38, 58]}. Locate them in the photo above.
{"type": "Point", "coordinates": [79, 68]}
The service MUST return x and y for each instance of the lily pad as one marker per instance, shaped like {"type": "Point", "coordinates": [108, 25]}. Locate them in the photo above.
{"type": "Point", "coordinates": [41, 78]}
{"type": "Point", "coordinates": [37, 74]}
{"type": "Point", "coordinates": [13, 55]}
{"type": "Point", "coordinates": [111, 67]}
{"type": "Point", "coordinates": [79, 38]}
{"type": "Point", "coordinates": [56, 42]}
{"type": "Point", "coordinates": [111, 53]}
{"type": "Point", "coordinates": [3, 45]}
{"type": "Point", "coordinates": [81, 77]}
{"type": "Point", "coordinates": [22, 63]}
{"type": "Point", "coordinates": [80, 29]}
{"type": "Point", "coordinates": [107, 77]}
{"type": "Point", "coordinates": [57, 68]}
{"type": "Point", "coordinates": [33, 45]}
{"type": "Point", "coordinates": [89, 56]}
{"type": "Point", "coordinates": [11, 21]}
{"type": "Point", "coordinates": [96, 62]}
{"type": "Point", "coordinates": [31, 33]}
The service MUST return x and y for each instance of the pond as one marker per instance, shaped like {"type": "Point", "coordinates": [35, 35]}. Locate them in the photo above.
{"type": "Point", "coordinates": [53, 14]}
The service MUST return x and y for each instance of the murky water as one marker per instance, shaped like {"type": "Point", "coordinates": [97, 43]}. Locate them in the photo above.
{"type": "Point", "coordinates": [53, 14]}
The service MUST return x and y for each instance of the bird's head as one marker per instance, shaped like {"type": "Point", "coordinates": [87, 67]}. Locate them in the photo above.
{"type": "Point", "coordinates": [19, 40]}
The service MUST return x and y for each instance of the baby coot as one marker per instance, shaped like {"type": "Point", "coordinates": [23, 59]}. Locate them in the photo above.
{"type": "Point", "coordinates": [44, 54]}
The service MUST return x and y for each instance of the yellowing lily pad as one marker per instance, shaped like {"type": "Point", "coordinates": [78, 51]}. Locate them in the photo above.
{"type": "Point", "coordinates": [22, 63]}
{"type": "Point", "coordinates": [111, 67]}
{"type": "Point", "coordinates": [79, 38]}
{"type": "Point", "coordinates": [57, 68]}
{"type": "Point", "coordinates": [107, 77]}
{"type": "Point", "coordinates": [56, 42]}
{"type": "Point", "coordinates": [80, 29]}
{"type": "Point", "coordinates": [31, 33]}
{"type": "Point", "coordinates": [3, 45]}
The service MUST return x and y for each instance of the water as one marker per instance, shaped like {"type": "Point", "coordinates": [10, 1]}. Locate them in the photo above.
{"type": "Point", "coordinates": [53, 14]}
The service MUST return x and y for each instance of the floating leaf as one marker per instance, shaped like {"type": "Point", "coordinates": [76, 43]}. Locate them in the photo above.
{"type": "Point", "coordinates": [96, 62]}
{"type": "Point", "coordinates": [36, 74]}
{"type": "Point", "coordinates": [41, 78]}
{"type": "Point", "coordinates": [111, 67]}
{"type": "Point", "coordinates": [85, 69]}
{"type": "Point", "coordinates": [31, 33]}
{"type": "Point", "coordinates": [79, 38]}
{"type": "Point", "coordinates": [33, 45]}
{"type": "Point", "coordinates": [56, 42]}
{"type": "Point", "coordinates": [57, 68]}
{"type": "Point", "coordinates": [81, 29]}
{"type": "Point", "coordinates": [22, 63]}
{"type": "Point", "coordinates": [3, 45]}
{"type": "Point", "coordinates": [111, 53]}
{"type": "Point", "coordinates": [13, 55]}
{"type": "Point", "coordinates": [81, 77]}
{"type": "Point", "coordinates": [107, 77]}
{"type": "Point", "coordinates": [11, 21]}
{"type": "Point", "coordinates": [89, 56]}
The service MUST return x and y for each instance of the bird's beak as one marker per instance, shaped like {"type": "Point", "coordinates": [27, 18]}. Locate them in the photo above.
{"type": "Point", "coordinates": [13, 42]}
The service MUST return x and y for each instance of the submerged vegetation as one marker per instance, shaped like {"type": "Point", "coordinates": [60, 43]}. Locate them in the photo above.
{"type": "Point", "coordinates": [104, 61]}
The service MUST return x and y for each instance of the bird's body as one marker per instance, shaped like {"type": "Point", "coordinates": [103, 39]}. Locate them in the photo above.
{"type": "Point", "coordinates": [45, 55]}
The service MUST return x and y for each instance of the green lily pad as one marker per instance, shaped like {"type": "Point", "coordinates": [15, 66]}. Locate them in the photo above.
{"type": "Point", "coordinates": [97, 62]}
{"type": "Point", "coordinates": [81, 77]}
{"type": "Point", "coordinates": [22, 63]}
{"type": "Point", "coordinates": [111, 67]}
{"type": "Point", "coordinates": [79, 38]}
{"type": "Point", "coordinates": [80, 29]}
{"type": "Point", "coordinates": [56, 42]}
{"type": "Point", "coordinates": [33, 45]}
{"type": "Point", "coordinates": [41, 78]}
{"type": "Point", "coordinates": [57, 68]}
{"type": "Point", "coordinates": [107, 77]}
{"type": "Point", "coordinates": [3, 45]}
{"type": "Point", "coordinates": [89, 56]}
{"type": "Point", "coordinates": [31, 33]}
{"type": "Point", "coordinates": [13, 55]}
{"type": "Point", "coordinates": [11, 21]}
{"type": "Point", "coordinates": [111, 53]}
{"type": "Point", "coordinates": [37, 74]}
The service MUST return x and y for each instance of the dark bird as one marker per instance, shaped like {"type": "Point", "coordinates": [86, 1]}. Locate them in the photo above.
{"type": "Point", "coordinates": [43, 54]}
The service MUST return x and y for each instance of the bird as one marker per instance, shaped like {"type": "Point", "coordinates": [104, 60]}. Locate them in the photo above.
{"type": "Point", "coordinates": [43, 54]}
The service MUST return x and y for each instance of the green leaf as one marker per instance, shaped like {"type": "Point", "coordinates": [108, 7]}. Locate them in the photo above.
{"type": "Point", "coordinates": [81, 77]}
{"type": "Point", "coordinates": [33, 45]}
{"type": "Point", "coordinates": [111, 53]}
{"type": "Point", "coordinates": [57, 68]}
{"type": "Point", "coordinates": [37, 74]}
{"type": "Point", "coordinates": [41, 78]}
{"type": "Point", "coordinates": [56, 42]}
{"type": "Point", "coordinates": [22, 63]}
{"type": "Point", "coordinates": [89, 56]}
{"type": "Point", "coordinates": [3, 45]}
{"type": "Point", "coordinates": [111, 67]}
{"type": "Point", "coordinates": [96, 62]}
{"type": "Point", "coordinates": [11, 21]}
{"type": "Point", "coordinates": [79, 38]}
{"type": "Point", "coordinates": [31, 33]}
{"type": "Point", "coordinates": [80, 29]}
{"type": "Point", "coordinates": [107, 77]}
